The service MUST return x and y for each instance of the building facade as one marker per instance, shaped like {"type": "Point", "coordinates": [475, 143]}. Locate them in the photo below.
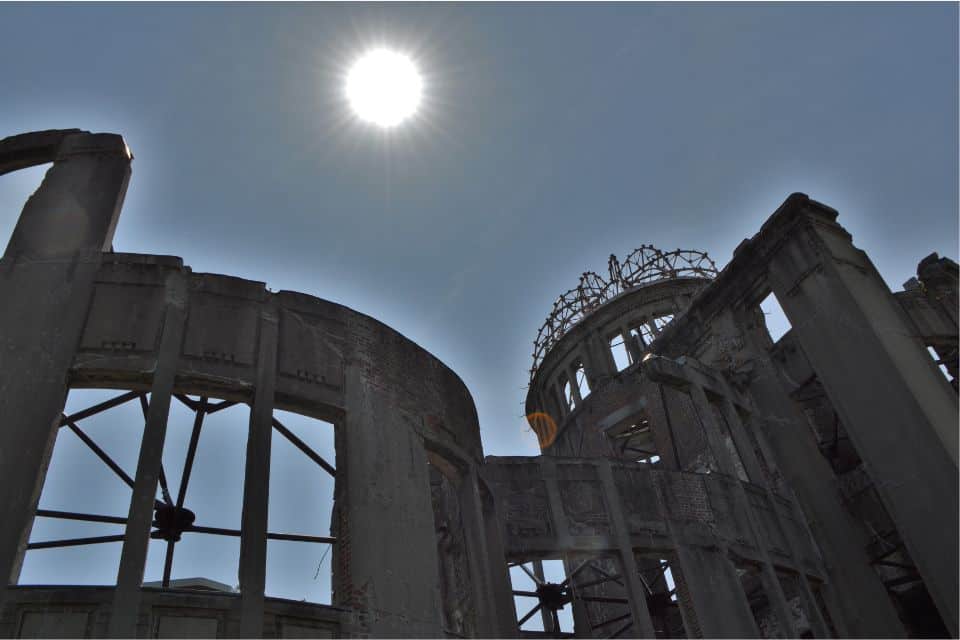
{"type": "Point", "coordinates": [697, 478]}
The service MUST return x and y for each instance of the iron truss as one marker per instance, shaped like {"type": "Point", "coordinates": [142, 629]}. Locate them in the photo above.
{"type": "Point", "coordinates": [171, 518]}
{"type": "Point", "coordinates": [643, 266]}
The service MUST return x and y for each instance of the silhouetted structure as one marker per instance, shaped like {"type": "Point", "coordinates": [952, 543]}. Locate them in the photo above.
{"type": "Point", "coordinates": [698, 479]}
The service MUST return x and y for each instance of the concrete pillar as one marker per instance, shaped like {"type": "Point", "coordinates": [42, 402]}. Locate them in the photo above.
{"type": "Point", "coordinates": [771, 585]}
{"type": "Point", "coordinates": [718, 598]}
{"type": "Point", "coordinates": [866, 607]}
{"type": "Point", "coordinates": [392, 567]}
{"type": "Point", "coordinates": [636, 593]}
{"type": "Point", "coordinates": [256, 483]}
{"type": "Point", "coordinates": [738, 430]}
{"type": "Point", "coordinates": [46, 283]}
{"type": "Point", "coordinates": [133, 557]}
{"type": "Point", "coordinates": [896, 407]}
{"type": "Point", "coordinates": [491, 582]}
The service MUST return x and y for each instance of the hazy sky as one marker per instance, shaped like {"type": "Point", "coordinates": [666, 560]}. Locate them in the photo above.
{"type": "Point", "coordinates": [553, 135]}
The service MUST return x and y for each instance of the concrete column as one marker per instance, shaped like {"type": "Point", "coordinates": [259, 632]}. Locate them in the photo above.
{"type": "Point", "coordinates": [748, 456]}
{"type": "Point", "coordinates": [393, 576]}
{"type": "Point", "coordinates": [133, 557]}
{"type": "Point", "coordinates": [897, 409]}
{"type": "Point", "coordinates": [867, 610]}
{"type": "Point", "coordinates": [506, 620]}
{"type": "Point", "coordinates": [636, 593]}
{"type": "Point", "coordinates": [46, 283]}
{"type": "Point", "coordinates": [487, 570]}
{"type": "Point", "coordinates": [718, 598]}
{"type": "Point", "coordinates": [256, 483]}
{"type": "Point", "coordinates": [771, 585]}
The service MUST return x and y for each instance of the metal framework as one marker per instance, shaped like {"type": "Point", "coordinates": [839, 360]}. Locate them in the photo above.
{"type": "Point", "coordinates": [644, 265]}
{"type": "Point", "coordinates": [171, 518]}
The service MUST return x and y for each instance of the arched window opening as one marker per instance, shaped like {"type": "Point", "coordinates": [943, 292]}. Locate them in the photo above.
{"type": "Point", "coordinates": [580, 374]}
{"type": "Point", "coordinates": [619, 351]}
{"type": "Point", "coordinates": [566, 392]}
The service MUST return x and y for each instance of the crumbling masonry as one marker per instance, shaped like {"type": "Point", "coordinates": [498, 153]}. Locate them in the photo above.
{"type": "Point", "coordinates": [697, 479]}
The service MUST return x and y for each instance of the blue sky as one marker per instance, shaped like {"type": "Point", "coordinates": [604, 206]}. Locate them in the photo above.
{"type": "Point", "coordinates": [552, 136]}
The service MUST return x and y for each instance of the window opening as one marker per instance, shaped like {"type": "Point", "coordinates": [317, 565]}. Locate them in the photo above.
{"type": "Point", "coordinates": [619, 351]}
{"type": "Point", "coordinates": [663, 602]}
{"type": "Point", "coordinates": [196, 528]}
{"type": "Point", "coordinates": [635, 442]}
{"type": "Point", "coordinates": [599, 588]}
{"type": "Point", "coordinates": [764, 615]}
{"type": "Point", "coordinates": [580, 373]}
{"type": "Point", "coordinates": [302, 483]}
{"type": "Point", "coordinates": [940, 363]}
{"type": "Point", "coordinates": [569, 401]}
{"type": "Point", "coordinates": [774, 317]}
{"type": "Point", "coordinates": [796, 603]}
{"type": "Point", "coordinates": [78, 530]}
{"type": "Point", "coordinates": [541, 595]}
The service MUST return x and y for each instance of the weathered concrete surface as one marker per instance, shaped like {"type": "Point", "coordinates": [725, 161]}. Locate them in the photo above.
{"type": "Point", "coordinates": [46, 278]}
{"type": "Point", "coordinates": [728, 474]}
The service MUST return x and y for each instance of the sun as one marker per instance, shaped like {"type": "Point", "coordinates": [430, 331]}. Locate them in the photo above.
{"type": "Point", "coordinates": [384, 87]}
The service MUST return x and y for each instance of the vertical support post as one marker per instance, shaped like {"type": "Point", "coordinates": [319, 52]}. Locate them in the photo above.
{"type": "Point", "coordinates": [133, 557]}
{"type": "Point", "coordinates": [637, 594]}
{"type": "Point", "coordinates": [892, 401]}
{"type": "Point", "coordinates": [391, 577]}
{"type": "Point", "coordinates": [486, 563]}
{"type": "Point", "coordinates": [769, 580]}
{"type": "Point", "coordinates": [866, 607]}
{"type": "Point", "coordinates": [256, 482]}
{"type": "Point", "coordinates": [546, 615]}
{"type": "Point", "coordinates": [718, 598]}
{"type": "Point", "coordinates": [47, 276]}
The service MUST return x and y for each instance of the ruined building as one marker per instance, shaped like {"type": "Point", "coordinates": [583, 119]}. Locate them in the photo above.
{"type": "Point", "coordinates": [697, 479]}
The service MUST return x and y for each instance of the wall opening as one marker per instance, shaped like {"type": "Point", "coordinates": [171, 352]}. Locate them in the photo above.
{"type": "Point", "coordinates": [729, 443]}
{"type": "Point", "coordinates": [634, 441]}
{"type": "Point", "coordinates": [796, 603]}
{"type": "Point", "coordinates": [774, 317]}
{"type": "Point", "coordinates": [663, 602]}
{"type": "Point", "coordinates": [940, 363]}
{"type": "Point", "coordinates": [302, 483]}
{"type": "Point", "coordinates": [541, 596]}
{"type": "Point", "coordinates": [566, 392]}
{"type": "Point", "coordinates": [619, 351]}
{"type": "Point", "coordinates": [598, 588]}
{"type": "Point", "coordinates": [580, 375]}
{"type": "Point", "coordinates": [751, 580]}
{"type": "Point", "coordinates": [80, 520]}
{"type": "Point", "coordinates": [204, 457]}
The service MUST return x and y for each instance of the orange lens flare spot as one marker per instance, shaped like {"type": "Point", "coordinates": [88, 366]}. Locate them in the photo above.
{"type": "Point", "coordinates": [544, 426]}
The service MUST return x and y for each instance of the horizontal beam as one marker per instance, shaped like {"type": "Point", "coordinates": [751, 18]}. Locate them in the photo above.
{"type": "Point", "coordinates": [84, 517]}
{"type": "Point", "coordinates": [74, 542]}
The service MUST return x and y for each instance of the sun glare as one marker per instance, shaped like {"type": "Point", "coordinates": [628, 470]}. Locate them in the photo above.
{"type": "Point", "coordinates": [384, 87]}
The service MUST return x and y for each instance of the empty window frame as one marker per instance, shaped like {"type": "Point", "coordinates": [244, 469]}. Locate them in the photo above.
{"type": "Point", "coordinates": [566, 393]}
{"type": "Point", "coordinates": [635, 442]}
{"type": "Point", "coordinates": [300, 516]}
{"type": "Point", "coordinates": [774, 317]}
{"type": "Point", "coordinates": [619, 351]}
{"type": "Point", "coordinates": [580, 375]}
{"type": "Point", "coordinates": [541, 596]}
